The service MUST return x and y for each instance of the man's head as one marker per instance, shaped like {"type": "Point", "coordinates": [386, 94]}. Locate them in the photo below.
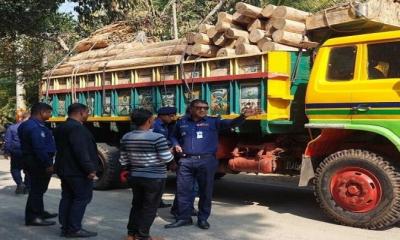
{"type": "Point", "coordinates": [41, 111]}
{"type": "Point", "coordinates": [167, 114]}
{"type": "Point", "coordinates": [198, 108]}
{"type": "Point", "coordinates": [142, 118]}
{"type": "Point", "coordinates": [78, 111]}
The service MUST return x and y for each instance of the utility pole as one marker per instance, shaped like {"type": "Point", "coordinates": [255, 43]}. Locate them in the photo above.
{"type": "Point", "coordinates": [175, 22]}
{"type": "Point", "coordinates": [19, 84]}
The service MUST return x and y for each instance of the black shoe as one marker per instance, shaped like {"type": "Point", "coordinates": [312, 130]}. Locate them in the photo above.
{"type": "Point", "coordinates": [203, 224]}
{"type": "Point", "coordinates": [179, 223]}
{"type": "Point", "coordinates": [39, 222]}
{"type": "Point", "coordinates": [194, 212]}
{"type": "Point", "coordinates": [47, 215]}
{"type": "Point", "coordinates": [164, 205]}
{"type": "Point", "coordinates": [26, 190]}
{"type": "Point", "coordinates": [81, 234]}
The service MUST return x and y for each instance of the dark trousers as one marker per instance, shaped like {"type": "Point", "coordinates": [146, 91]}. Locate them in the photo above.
{"type": "Point", "coordinates": [16, 169]}
{"type": "Point", "coordinates": [76, 194]}
{"type": "Point", "coordinates": [147, 194]}
{"type": "Point", "coordinates": [34, 204]}
{"type": "Point", "coordinates": [203, 170]}
{"type": "Point", "coordinates": [174, 208]}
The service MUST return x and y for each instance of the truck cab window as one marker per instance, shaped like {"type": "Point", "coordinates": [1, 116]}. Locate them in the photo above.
{"type": "Point", "coordinates": [341, 63]}
{"type": "Point", "coordinates": [383, 61]}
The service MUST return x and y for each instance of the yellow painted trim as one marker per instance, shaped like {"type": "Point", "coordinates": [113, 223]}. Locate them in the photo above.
{"type": "Point", "coordinates": [363, 38]}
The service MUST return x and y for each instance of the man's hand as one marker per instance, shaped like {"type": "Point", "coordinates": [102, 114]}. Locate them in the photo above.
{"type": "Point", "coordinates": [178, 149]}
{"type": "Point", "coordinates": [123, 176]}
{"type": "Point", "coordinates": [50, 170]}
{"type": "Point", "coordinates": [248, 112]}
{"type": "Point", "coordinates": [92, 175]}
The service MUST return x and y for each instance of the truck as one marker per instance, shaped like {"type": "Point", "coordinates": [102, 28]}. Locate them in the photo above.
{"type": "Point", "coordinates": [331, 117]}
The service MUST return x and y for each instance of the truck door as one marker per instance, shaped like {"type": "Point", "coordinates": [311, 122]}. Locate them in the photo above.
{"type": "Point", "coordinates": [329, 91]}
{"type": "Point", "coordinates": [376, 94]}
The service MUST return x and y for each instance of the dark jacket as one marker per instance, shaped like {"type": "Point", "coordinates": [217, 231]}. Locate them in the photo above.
{"type": "Point", "coordinates": [76, 150]}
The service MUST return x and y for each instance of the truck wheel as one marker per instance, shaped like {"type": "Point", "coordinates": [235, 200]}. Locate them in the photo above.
{"type": "Point", "coordinates": [109, 167]}
{"type": "Point", "coordinates": [359, 188]}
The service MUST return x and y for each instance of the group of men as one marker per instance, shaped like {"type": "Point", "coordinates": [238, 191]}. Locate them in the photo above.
{"type": "Point", "coordinates": [145, 153]}
{"type": "Point", "coordinates": [75, 153]}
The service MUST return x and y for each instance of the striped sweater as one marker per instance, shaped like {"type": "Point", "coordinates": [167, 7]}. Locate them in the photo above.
{"type": "Point", "coordinates": [145, 154]}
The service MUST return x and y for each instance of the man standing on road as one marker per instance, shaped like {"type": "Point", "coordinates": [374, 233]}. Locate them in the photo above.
{"type": "Point", "coordinates": [38, 148]}
{"type": "Point", "coordinates": [12, 148]}
{"type": "Point", "coordinates": [76, 165]}
{"type": "Point", "coordinates": [196, 137]}
{"type": "Point", "coordinates": [145, 154]}
{"type": "Point", "coordinates": [164, 124]}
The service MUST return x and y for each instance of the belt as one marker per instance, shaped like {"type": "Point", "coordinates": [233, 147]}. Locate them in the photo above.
{"type": "Point", "coordinates": [199, 156]}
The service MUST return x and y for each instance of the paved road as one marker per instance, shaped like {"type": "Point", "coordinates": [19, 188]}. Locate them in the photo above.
{"type": "Point", "coordinates": [246, 207]}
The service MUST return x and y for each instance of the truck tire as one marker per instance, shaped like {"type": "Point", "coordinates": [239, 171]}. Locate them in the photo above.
{"type": "Point", "coordinates": [109, 167]}
{"type": "Point", "coordinates": [359, 188]}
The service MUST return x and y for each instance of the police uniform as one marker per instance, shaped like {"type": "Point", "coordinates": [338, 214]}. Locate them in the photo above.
{"type": "Point", "coordinates": [166, 130]}
{"type": "Point", "coordinates": [199, 141]}
{"type": "Point", "coordinates": [38, 148]}
{"type": "Point", "coordinates": [160, 127]}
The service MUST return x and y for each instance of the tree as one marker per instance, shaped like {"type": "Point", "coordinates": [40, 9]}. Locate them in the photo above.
{"type": "Point", "coordinates": [27, 29]}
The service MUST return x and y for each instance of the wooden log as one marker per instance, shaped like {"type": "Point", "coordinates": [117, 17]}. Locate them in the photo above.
{"type": "Point", "coordinates": [256, 35]}
{"type": "Point", "coordinates": [241, 40]}
{"type": "Point", "coordinates": [189, 49]}
{"type": "Point", "coordinates": [273, 46]}
{"type": "Point", "coordinates": [223, 26]}
{"type": "Point", "coordinates": [142, 61]}
{"type": "Point", "coordinates": [269, 29]}
{"type": "Point", "coordinates": [236, 33]}
{"type": "Point", "coordinates": [288, 25]}
{"type": "Point", "coordinates": [292, 39]}
{"type": "Point", "coordinates": [132, 47]}
{"type": "Point", "coordinates": [226, 52]}
{"type": "Point", "coordinates": [205, 50]}
{"type": "Point", "coordinates": [220, 39]}
{"type": "Point", "coordinates": [290, 13]}
{"type": "Point", "coordinates": [201, 38]}
{"type": "Point", "coordinates": [230, 43]}
{"type": "Point", "coordinates": [241, 19]}
{"type": "Point", "coordinates": [224, 17]}
{"type": "Point", "coordinates": [212, 32]}
{"type": "Point", "coordinates": [262, 41]}
{"type": "Point", "coordinates": [152, 52]}
{"type": "Point", "coordinates": [268, 11]}
{"type": "Point", "coordinates": [245, 48]}
{"type": "Point", "coordinates": [190, 37]}
{"type": "Point", "coordinates": [256, 24]}
{"type": "Point", "coordinates": [248, 10]}
{"type": "Point", "coordinates": [203, 28]}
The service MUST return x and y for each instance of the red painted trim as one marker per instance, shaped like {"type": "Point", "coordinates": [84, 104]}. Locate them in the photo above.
{"type": "Point", "coordinates": [176, 82]}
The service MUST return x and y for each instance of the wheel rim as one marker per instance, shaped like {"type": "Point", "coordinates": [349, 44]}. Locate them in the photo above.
{"type": "Point", "coordinates": [356, 189]}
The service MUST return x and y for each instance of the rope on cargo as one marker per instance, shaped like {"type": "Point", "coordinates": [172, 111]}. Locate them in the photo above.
{"type": "Point", "coordinates": [75, 72]}
{"type": "Point", "coordinates": [52, 71]}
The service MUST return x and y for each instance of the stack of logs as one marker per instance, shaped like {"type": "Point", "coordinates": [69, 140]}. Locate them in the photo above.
{"type": "Point", "coordinates": [122, 55]}
{"type": "Point", "coordinates": [251, 30]}
{"type": "Point", "coordinates": [111, 34]}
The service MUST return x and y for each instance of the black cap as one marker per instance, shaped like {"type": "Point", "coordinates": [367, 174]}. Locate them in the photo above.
{"type": "Point", "coordinates": [166, 110]}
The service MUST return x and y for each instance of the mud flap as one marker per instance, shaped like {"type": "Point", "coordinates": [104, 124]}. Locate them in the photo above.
{"type": "Point", "coordinates": [307, 172]}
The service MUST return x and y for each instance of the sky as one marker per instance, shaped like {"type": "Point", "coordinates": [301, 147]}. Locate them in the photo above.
{"type": "Point", "coordinates": [68, 7]}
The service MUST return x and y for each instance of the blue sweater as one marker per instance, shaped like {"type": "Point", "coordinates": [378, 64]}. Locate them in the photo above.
{"type": "Point", "coordinates": [145, 154]}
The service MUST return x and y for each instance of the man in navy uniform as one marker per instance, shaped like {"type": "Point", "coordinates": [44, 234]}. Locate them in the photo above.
{"type": "Point", "coordinates": [76, 165]}
{"type": "Point", "coordinates": [196, 137]}
{"type": "Point", "coordinates": [164, 124]}
{"type": "Point", "coordinates": [38, 148]}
